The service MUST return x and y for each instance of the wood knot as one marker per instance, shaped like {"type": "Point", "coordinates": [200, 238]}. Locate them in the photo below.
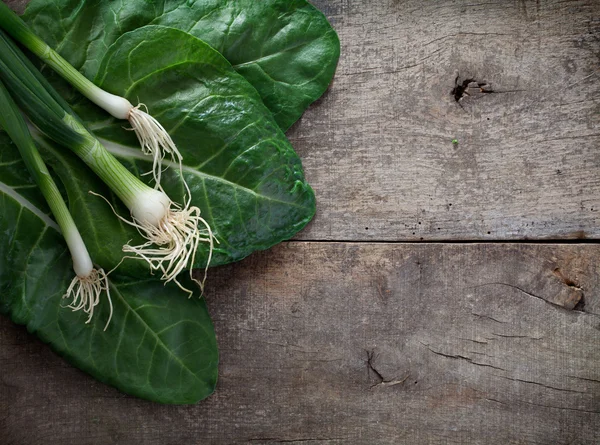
{"type": "Point", "coordinates": [469, 88]}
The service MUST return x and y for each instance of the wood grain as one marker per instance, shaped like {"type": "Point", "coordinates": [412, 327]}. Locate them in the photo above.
{"type": "Point", "coordinates": [378, 150]}
{"type": "Point", "coordinates": [353, 343]}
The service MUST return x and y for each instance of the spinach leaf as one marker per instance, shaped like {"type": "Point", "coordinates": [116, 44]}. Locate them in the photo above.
{"type": "Point", "coordinates": [242, 171]}
{"type": "Point", "coordinates": [285, 48]}
{"type": "Point", "coordinates": [160, 345]}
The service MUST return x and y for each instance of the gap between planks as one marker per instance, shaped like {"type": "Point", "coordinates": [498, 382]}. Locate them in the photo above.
{"type": "Point", "coordinates": [467, 242]}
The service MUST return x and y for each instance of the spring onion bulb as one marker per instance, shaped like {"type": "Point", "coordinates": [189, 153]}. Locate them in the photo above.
{"type": "Point", "coordinates": [154, 140]}
{"type": "Point", "coordinates": [172, 235]}
{"type": "Point", "coordinates": [172, 232]}
{"type": "Point", "coordinates": [89, 282]}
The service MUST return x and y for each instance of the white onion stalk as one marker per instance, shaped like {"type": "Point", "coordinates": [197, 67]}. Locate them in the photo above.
{"type": "Point", "coordinates": [155, 141]}
{"type": "Point", "coordinates": [89, 282]}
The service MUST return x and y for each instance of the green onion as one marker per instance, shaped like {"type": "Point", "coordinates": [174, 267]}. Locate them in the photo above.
{"type": "Point", "coordinates": [154, 139]}
{"type": "Point", "coordinates": [171, 231]}
{"type": "Point", "coordinates": [89, 283]}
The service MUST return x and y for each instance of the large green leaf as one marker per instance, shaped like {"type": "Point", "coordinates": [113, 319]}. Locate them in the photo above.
{"type": "Point", "coordinates": [242, 171]}
{"type": "Point", "coordinates": [160, 345]}
{"type": "Point", "coordinates": [285, 48]}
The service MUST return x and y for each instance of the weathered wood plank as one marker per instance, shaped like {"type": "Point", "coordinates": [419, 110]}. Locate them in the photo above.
{"type": "Point", "coordinates": [335, 343]}
{"type": "Point", "coordinates": [378, 148]}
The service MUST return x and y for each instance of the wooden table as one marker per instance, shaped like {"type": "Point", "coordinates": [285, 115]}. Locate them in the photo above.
{"type": "Point", "coordinates": [446, 293]}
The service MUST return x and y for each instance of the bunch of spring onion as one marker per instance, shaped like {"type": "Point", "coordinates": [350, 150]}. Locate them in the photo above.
{"type": "Point", "coordinates": [172, 231]}
{"type": "Point", "coordinates": [154, 139]}
{"type": "Point", "coordinates": [89, 282]}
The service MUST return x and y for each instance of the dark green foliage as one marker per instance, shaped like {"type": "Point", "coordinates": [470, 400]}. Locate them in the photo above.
{"type": "Point", "coordinates": [285, 48]}
{"type": "Point", "coordinates": [244, 175]}
{"type": "Point", "coordinates": [159, 345]}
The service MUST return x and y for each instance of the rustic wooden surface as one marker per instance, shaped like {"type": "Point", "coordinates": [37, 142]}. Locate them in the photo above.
{"type": "Point", "coordinates": [336, 343]}
{"type": "Point", "coordinates": [378, 149]}
{"type": "Point", "coordinates": [342, 337]}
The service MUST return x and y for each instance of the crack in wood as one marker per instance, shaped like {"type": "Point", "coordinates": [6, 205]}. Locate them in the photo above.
{"type": "Point", "coordinates": [482, 353]}
{"type": "Point", "coordinates": [559, 407]}
{"type": "Point", "coordinates": [462, 357]}
{"type": "Point", "coordinates": [488, 318]}
{"type": "Point", "coordinates": [304, 439]}
{"type": "Point", "coordinates": [516, 336]}
{"type": "Point", "coordinates": [480, 342]}
{"type": "Point", "coordinates": [584, 379]}
{"type": "Point", "coordinates": [540, 384]}
{"type": "Point", "coordinates": [556, 305]}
